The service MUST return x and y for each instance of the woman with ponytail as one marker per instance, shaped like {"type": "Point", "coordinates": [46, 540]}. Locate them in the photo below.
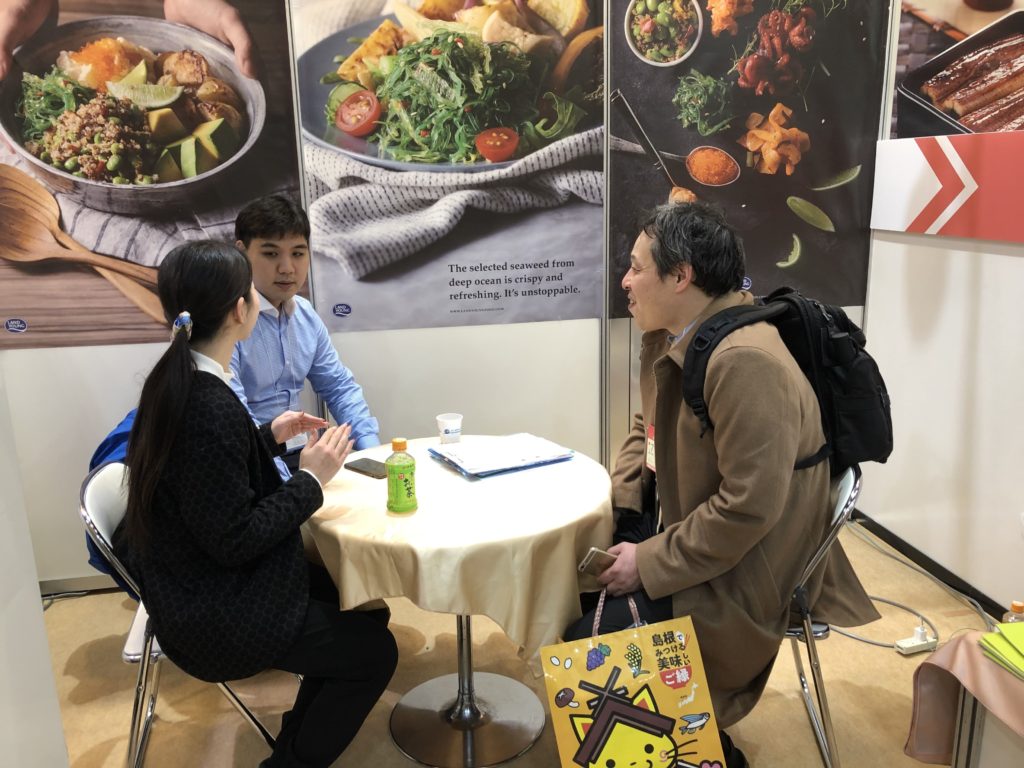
{"type": "Point", "coordinates": [211, 532]}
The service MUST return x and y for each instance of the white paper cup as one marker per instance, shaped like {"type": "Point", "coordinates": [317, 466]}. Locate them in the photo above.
{"type": "Point", "coordinates": [449, 427]}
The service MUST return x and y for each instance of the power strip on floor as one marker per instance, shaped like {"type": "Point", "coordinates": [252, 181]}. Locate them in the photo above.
{"type": "Point", "coordinates": [919, 643]}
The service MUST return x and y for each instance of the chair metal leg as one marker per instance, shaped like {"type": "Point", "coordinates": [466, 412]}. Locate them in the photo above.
{"type": "Point", "coordinates": [805, 691]}
{"type": "Point", "coordinates": [153, 686]}
{"type": "Point", "coordinates": [820, 717]}
{"type": "Point", "coordinates": [246, 713]}
{"type": "Point", "coordinates": [147, 685]}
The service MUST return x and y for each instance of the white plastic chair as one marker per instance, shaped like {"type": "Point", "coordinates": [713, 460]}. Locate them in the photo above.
{"type": "Point", "coordinates": [845, 490]}
{"type": "Point", "coordinates": [104, 499]}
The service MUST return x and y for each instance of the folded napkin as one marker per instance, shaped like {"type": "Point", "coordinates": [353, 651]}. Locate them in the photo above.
{"type": "Point", "coordinates": [143, 240]}
{"type": "Point", "coordinates": [367, 217]}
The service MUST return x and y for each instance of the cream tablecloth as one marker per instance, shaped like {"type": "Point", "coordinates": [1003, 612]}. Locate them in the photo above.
{"type": "Point", "coordinates": [505, 546]}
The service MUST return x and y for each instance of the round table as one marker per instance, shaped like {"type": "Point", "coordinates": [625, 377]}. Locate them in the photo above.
{"type": "Point", "coordinates": [504, 546]}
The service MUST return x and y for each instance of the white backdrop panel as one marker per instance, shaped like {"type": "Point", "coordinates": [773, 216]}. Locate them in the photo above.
{"type": "Point", "coordinates": [943, 321]}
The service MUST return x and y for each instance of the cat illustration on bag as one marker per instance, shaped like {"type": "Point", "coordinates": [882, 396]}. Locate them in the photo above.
{"type": "Point", "coordinates": [625, 730]}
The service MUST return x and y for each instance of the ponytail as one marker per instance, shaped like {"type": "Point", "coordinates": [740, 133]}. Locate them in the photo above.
{"type": "Point", "coordinates": [199, 284]}
{"type": "Point", "coordinates": [161, 408]}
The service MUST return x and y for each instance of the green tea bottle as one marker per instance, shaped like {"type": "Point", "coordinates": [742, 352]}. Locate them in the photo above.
{"type": "Point", "coordinates": [401, 478]}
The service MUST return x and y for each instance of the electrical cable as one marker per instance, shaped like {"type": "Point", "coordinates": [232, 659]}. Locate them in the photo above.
{"type": "Point", "coordinates": [50, 599]}
{"type": "Point", "coordinates": [924, 620]}
{"type": "Point", "coordinates": [855, 528]}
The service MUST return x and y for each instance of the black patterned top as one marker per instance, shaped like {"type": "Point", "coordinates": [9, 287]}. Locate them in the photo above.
{"type": "Point", "coordinates": [224, 578]}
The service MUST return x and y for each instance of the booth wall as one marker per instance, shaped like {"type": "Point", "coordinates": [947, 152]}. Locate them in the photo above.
{"type": "Point", "coordinates": [30, 725]}
{"type": "Point", "coordinates": [943, 322]}
{"type": "Point", "coordinates": [542, 378]}
{"type": "Point", "coordinates": [62, 402]}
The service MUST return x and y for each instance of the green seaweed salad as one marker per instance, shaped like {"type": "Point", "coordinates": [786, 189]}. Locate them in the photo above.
{"type": "Point", "coordinates": [439, 93]}
{"type": "Point", "coordinates": [46, 98]}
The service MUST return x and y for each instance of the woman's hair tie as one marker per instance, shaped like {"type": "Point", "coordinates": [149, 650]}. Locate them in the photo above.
{"type": "Point", "coordinates": [182, 322]}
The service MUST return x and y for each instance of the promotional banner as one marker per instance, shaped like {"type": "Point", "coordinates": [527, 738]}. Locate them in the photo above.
{"type": "Point", "coordinates": [120, 137]}
{"type": "Point", "coordinates": [959, 68]}
{"type": "Point", "coordinates": [768, 109]}
{"type": "Point", "coordinates": [453, 157]}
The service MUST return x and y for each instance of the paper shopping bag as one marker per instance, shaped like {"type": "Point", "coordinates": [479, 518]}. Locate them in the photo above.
{"type": "Point", "coordinates": [634, 697]}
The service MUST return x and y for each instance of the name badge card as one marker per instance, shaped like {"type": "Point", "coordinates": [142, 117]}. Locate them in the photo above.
{"type": "Point", "coordinates": [650, 447]}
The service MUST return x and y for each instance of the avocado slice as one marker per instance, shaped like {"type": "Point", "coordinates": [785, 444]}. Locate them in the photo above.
{"type": "Point", "coordinates": [218, 138]}
{"type": "Point", "coordinates": [165, 125]}
{"type": "Point", "coordinates": [167, 168]}
{"type": "Point", "coordinates": [192, 157]}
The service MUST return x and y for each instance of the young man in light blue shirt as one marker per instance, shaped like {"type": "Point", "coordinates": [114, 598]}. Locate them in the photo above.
{"type": "Point", "coordinates": [290, 343]}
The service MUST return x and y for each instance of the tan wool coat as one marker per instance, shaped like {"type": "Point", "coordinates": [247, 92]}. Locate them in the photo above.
{"type": "Point", "coordinates": [740, 523]}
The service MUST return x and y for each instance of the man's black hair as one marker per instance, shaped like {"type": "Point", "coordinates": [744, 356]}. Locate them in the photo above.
{"type": "Point", "coordinates": [270, 218]}
{"type": "Point", "coordinates": [696, 234]}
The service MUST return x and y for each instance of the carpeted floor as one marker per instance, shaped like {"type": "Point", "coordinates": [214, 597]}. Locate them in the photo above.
{"type": "Point", "coordinates": [869, 687]}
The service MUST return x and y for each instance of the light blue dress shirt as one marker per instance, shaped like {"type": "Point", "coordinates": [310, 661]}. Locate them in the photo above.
{"type": "Point", "coordinates": [285, 349]}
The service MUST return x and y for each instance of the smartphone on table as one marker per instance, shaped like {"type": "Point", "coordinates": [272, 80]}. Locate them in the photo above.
{"type": "Point", "coordinates": [370, 467]}
{"type": "Point", "coordinates": [595, 561]}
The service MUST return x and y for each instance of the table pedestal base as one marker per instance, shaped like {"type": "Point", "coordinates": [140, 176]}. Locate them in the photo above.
{"type": "Point", "coordinates": [492, 718]}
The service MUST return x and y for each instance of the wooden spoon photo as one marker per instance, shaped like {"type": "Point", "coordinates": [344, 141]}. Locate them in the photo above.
{"type": "Point", "coordinates": [31, 200]}
{"type": "Point", "coordinates": [24, 240]}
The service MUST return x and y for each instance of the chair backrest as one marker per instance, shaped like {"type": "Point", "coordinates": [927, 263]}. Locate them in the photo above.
{"type": "Point", "coordinates": [103, 502]}
{"type": "Point", "coordinates": [845, 490]}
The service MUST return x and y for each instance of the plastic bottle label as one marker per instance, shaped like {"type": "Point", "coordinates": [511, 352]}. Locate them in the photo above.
{"type": "Point", "coordinates": [402, 487]}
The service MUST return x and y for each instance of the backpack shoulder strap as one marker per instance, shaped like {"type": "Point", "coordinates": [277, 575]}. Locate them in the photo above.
{"type": "Point", "coordinates": [705, 339]}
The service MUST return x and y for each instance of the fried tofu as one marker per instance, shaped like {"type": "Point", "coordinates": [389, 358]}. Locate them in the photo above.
{"type": "Point", "coordinates": [443, 10]}
{"type": "Point", "coordinates": [499, 29]}
{"type": "Point", "coordinates": [186, 67]}
{"type": "Point", "coordinates": [569, 17]}
{"type": "Point", "coordinates": [478, 15]}
{"type": "Point", "coordinates": [385, 40]}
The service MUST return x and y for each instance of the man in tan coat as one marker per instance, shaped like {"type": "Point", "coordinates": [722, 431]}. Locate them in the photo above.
{"type": "Point", "coordinates": [738, 522]}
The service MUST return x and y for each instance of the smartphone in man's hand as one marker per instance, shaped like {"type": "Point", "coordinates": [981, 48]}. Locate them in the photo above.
{"type": "Point", "coordinates": [595, 561]}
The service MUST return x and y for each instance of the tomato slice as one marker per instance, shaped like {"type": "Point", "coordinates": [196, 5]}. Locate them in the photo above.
{"type": "Point", "coordinates": [358, 114]}
{"type": "Point", "coordinates": [497, 144]}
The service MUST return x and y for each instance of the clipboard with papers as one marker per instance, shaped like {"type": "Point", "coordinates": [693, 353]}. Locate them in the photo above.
{"type": "Point", "coordinates": [494, 456]}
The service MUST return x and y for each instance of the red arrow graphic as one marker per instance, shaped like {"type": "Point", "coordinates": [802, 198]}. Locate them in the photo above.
{"type": "Point", "coordinates": [996, 161]}
{"type": "Point", "coordinates": [952, 185]}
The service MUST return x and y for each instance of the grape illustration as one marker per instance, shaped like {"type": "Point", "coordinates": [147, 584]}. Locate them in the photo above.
{"type": "Point", "coordinates": [596, 656]}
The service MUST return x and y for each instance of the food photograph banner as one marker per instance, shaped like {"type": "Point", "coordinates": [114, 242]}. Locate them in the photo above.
{"type": "Point", "coordinates": [959, 68]}
{"type": "Point", "coordinates": [958, 114]}
{"type": "Point", "coordinates": [768, 109]}
{"type": "Point", "coordinates": [122, 136]}
{"type": "Point", "coordinates": [453, 155]}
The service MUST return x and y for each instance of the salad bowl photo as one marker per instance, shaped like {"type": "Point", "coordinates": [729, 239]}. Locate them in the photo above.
{"type": "Point", "coordinates": [477, 90]}
{"type": "Point", "coordinates": [130, 115]}
{"type": "Point", "coordinates": [663, 33]}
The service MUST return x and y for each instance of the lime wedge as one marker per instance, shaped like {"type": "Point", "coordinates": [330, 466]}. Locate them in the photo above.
{"type": "Point", "coordinates": [841, 178]}
{"type": "Point", "coordinates": [137, 76]}
{"type": "Point", "coordinates": [145, 95]}
{"type": "Point", "coordinates": [810, 213]}
{"type": "Point", "coordinates": [794, 254]}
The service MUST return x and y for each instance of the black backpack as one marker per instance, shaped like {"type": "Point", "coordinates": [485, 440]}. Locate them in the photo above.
{"type": "Point", "coordinates": [829, 348]}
